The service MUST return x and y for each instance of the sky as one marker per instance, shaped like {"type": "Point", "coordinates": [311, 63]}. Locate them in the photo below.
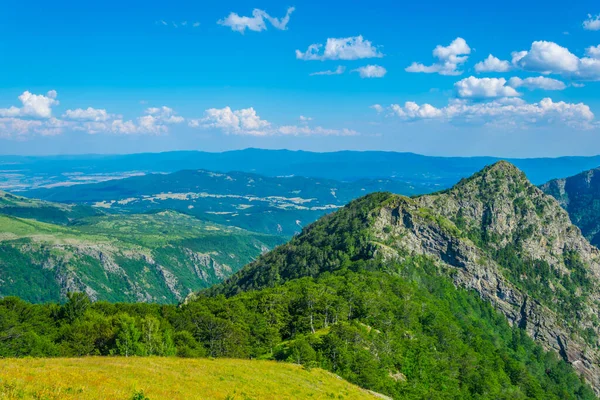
{"type": "Point", "coordinates": [520, 79]}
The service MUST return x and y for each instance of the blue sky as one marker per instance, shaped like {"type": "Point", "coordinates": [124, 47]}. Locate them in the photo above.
{"type": "Point", "coordinates": [122, 77]}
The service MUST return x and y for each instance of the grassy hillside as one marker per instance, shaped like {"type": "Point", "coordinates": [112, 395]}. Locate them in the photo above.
{"type": "Point", "coordinates": [160, 257]}
{"type": "Point", "coordinates": [168, 378]}
{"type": "Point", "coordinates": [44, 211]}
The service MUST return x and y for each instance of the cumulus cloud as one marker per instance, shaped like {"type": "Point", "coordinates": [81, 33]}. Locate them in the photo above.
{"type": "Point", "coordinates": [540, 82]}
{"type": "Point", "coordinates": [256, 22]}
{"type": "Point", "coordinates": [156, 120]}
{"type": "Point", "coordinates": [592, 23]}
{"type": "Point", "coordinates": [505, 110]}
{"type": "Point", "coordinates": [350, 48]}
{"type": "Point", "coordinates": [492, 64]}
{"type": "Point", "coordinates": [32, 105]}
{"type": "Point", "coordinates": [89, 114]}
{"type": "Point", "coordinates": [593, 52]}
{"type": "Point", "coordinates": [449, 59]}
{"type": "Point", "coordinates": [371, 71]}
{"type": "Point", "coordinates": [550, 58]}
{"type": "Point", "coordinates": [247, 122]}
{"type": "Point", "coordinates": [238, 122]}
{"type": "Point", "coordinates": [483, 88]}
{"type": "Point", "coordinates": [338, 71]}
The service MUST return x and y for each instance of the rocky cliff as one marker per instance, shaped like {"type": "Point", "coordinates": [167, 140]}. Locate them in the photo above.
{"type": "Point", "coordinates": [494, 233]}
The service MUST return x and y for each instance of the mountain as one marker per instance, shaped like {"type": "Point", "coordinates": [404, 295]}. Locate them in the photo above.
{"type": "Point", "coordinates": [273, 205]}
{"type": "Point", "coordinates": [429, 173]}
{"type": "Point", "coordinates": [44, 211]}
{"type": "Point", "coordinates": [580, 196]}
{"type": "Point", "coordinates": [495, 234]}
{"type": "Point", "coordinates": [483, 291]}
{"type": "Point", "coordinates": [156, 257]}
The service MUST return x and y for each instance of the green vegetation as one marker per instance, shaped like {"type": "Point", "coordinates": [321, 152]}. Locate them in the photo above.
{"type": "Point", "coordinates": [159, 257]}
{"type": "Point", "coordinates": [120, 378]}
{"type": "Point", "coordinates": [407, 332]}
{"type": "Point", "coordinates": [580, 196]}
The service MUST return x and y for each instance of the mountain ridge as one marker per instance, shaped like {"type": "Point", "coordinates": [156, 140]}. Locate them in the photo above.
{"type": "Point", "coordinates": [495, 233]}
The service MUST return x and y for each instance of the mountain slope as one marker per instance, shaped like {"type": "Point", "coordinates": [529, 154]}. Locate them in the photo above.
{"type": "Point", "coordinates": [273, 205]}
{"type": "Point", "coordinates": [494, 233]}
{"type": "Point", "coordinates": [159, 257]}
{"type": "Point", "coordinates": [43, 211]}
{"type": "Point", "coordinates": [580, 196]}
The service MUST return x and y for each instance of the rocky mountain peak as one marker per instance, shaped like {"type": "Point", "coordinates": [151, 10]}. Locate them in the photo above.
{"type": "Point", "coordinates": [495, 233]}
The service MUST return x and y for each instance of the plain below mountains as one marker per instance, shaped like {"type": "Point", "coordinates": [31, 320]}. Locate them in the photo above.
{"type": "Point", "coordinates": [271, 205]}
{"type": "Point", "coordinates": [423, 172]}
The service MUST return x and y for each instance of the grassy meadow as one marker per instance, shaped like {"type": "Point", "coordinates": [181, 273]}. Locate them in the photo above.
{"type": "Point", "coordinates": [167, 378]}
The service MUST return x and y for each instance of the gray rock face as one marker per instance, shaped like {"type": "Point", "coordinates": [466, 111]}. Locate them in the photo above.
{"type": "Point", "coordinates": [580, 196]}
{"type": "Point", "coordinates": [502, 205]}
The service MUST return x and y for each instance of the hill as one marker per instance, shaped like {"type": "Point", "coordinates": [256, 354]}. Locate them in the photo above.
{"type": "Point", "coordinates": [580, 196]}
{"type": "Point", "coordinates": [494, 233]}
{"type": "Point", "coordinates": [160, 257]}
{"type": "Point", "coordinates": [168, 378]}
{"type": "Point", "coordinates": [44, 211]}
{"type": "Point", "coordinates": [273, 205]}
{"type": "Point", "coordinates": [431, 173]}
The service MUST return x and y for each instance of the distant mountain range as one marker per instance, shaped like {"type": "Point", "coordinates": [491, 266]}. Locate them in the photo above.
{"type": "Point", "coordinates": [425, 173]}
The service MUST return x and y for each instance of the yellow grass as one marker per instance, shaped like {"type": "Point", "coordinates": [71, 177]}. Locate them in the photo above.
{"type": "Point", "coordinates": [168, 378]}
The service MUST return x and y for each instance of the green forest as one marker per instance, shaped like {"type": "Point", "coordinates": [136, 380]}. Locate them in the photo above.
{"type": "Point", "coordinates": [404, 332]}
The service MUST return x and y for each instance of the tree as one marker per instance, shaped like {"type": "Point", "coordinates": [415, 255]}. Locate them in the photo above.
{"type": "Point", "coordinates": [128, 336]}
{"type": "Point", "coordinates": [77, 304]}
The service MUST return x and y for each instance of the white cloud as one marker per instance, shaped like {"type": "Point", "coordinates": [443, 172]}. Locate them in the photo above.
{"type": "Point", "coordinates": [338, 71]}
{"type": "Point", "coordinates": [483, 88]}
{"type": "Point", "coordinates": [547, 57]}
{"type": "Point", "coordinates": [294, 130]}
{"type": "Point", "coordinates": [32, 105]}
{"type": "Point", "coordinates": [257, 22]}
{"type": "Point", "coordinates": [238, 122]}
{"type": "Point", "coordinates": [89, 114]}
{"type": "Point", "coordinates": [156, 120]}
{"type": "Point", "coordinates": [505, 110]}
{"type": "Point", "coordinates": [592, 23]}
{"type": "Point", "coordinates": [247, 122]}
{"type": "Point", "coordinates": [196, 24]}
{"type": "Point", "coordinates": [350, 48]}
{"type": "Point", "coordinates": [593, 51]}
{"type": "Point", "coordinates": [540, 82]}
{"type": "Point", "coordinates": [449, 59]}
{"type": "Point", "coordinates": [377, 107]}
{"type": "Point", "coordinates": [492, 64]}
{"type": "Point", "coordinates": [550, 58]}
{"type": "Point", "coordinates": [371, 71]}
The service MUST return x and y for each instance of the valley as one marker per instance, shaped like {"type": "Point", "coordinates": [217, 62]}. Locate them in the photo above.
{"type": "Point", "coordinates": [157, 257]}
{"type": "Point", "coordinates": [485, 288]}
